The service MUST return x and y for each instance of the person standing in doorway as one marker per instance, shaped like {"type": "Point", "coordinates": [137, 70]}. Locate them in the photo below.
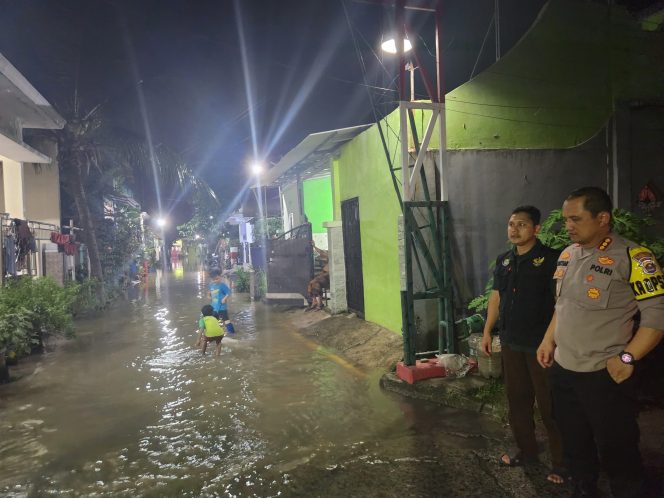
{"type": "Point", "coordinates": [609, 315]}
{"type": "Point", "coordinates": [521, 305]}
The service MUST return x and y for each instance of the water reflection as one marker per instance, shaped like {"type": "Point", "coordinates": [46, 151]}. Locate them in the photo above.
{"type": "Point", "coordinates": [131, 408]}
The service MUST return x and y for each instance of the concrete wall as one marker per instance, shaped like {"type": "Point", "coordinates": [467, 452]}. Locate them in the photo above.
{"type": "Point", "coordinates": [13, 187]}
{"type": "Point", "coordinates": [484, 187]}
{"type": "Point", "coordinates": [2, 190]}
{"type": "Point", "coordinates": [42, 186]}
{"type": "Point", "coordinates": [290, 206]}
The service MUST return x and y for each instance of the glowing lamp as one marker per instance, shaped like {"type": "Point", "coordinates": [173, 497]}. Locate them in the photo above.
{"type": "Point", "coordinates": [390, 46]}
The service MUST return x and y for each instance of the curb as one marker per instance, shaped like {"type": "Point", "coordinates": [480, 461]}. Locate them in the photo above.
{"type": "Point", "coordinates": [461, 393]}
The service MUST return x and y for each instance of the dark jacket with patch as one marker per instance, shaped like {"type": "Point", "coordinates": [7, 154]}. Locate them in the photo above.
{"type": "Point", "coordinates": [527, 291]}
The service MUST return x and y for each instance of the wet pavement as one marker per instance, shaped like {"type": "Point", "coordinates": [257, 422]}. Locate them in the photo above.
{"type": "Point", "coordinates": [131, 408]}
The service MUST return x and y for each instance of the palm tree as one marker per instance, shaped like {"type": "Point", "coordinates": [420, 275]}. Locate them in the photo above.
{"type": "Point", "coordinates": [94, 157]}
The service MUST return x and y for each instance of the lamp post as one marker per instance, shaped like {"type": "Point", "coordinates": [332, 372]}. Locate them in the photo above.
{"type": "Point", "coordinates": [390, 46]}
{"type": "Point", "coordinates": [257, 169]}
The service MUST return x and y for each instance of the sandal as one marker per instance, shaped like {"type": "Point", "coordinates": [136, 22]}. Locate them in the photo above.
{"type": "Point", "coordinates": [516, 460]}
{"type": "Point", "coordinates": [558, 475]}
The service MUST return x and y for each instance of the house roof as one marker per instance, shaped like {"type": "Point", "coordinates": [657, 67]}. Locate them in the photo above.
{"type": "Point", "coordinates": [19, 99]}
{"type": "Point", "coordinates": [21, 152]}
{"type": "Point", "coordinates": [311, 156]}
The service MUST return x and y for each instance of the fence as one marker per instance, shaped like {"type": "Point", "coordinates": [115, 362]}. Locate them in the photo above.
{"type": "Point", "coordinates": [37, 255]}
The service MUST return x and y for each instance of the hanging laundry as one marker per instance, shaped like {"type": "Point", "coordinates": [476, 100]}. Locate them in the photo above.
{"type": "Point", "coordinates": [61, 238]}
{"type": "Point", "coordinates": [10, 255]}
{"type": "Point", "coordinates": [70, 249]}
{"type": "Point", "coordinates": [25, 239]}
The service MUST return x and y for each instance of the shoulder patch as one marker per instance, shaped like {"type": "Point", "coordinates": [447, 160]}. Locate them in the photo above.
{"type": "Point", "coordinates": [605, 244]}
{"type": "Point", "coordinates": [646, 277]}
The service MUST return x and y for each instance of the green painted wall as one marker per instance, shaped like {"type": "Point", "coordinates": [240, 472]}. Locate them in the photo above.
{"type": "Point", "coordinates": [318, 202]}
{"type": "Point", "coordinates": [336, 189]}
{"type": "Point", "coordinates": [556, 87]}
{"type": "Point", "coordinates": [363, 172]}
{"type": "Point", "coordinates": [551, 91]}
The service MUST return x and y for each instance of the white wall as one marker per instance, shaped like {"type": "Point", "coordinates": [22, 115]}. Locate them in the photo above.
{"type": "Point", "coordinates": [13, 187]}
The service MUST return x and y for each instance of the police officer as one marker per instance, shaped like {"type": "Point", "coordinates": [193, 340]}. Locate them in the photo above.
{"type": "Point", "coordinates": [522, 303]}
{"type": "Point", "coordinates": [593, 344]}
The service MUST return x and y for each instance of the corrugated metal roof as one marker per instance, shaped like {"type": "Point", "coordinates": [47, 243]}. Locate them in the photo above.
{"type": "Point", "coordinates": [311, 157]}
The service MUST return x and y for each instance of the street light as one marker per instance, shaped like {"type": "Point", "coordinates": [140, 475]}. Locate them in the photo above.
{"type": "Point", "coordinates": [161, 222]}
{"type": "Point", "coordinates": [257, 168]}
{"type": "Point", "coordinates": [390, 46]}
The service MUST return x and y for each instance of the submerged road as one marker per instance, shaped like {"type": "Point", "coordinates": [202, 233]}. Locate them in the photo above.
{"type": "Point", "coordinates": [130, 408]}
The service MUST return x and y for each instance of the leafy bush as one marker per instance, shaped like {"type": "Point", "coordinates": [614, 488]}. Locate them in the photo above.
{"type": "Point", "coordinates": [16, 330]}
{"type": "Point", "coordinates": [242, 280]}
{"type": "Point", "coordinates": [30, 308]}
{"type": "Point", "coordinates": [261, 283]}
{"type": "Point", "coordinates": [553, 234]}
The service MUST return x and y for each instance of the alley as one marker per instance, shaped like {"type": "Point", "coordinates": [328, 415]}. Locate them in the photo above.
{"type": "Point", "coordinates": [130, 408]}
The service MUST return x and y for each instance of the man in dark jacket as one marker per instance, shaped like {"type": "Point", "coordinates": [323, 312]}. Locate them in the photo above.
{"type": "Point", "coordinates": [521, 304]}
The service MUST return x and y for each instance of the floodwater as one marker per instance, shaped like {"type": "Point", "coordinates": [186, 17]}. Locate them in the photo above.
{"type": "Point", "coordinates": [130, 408]}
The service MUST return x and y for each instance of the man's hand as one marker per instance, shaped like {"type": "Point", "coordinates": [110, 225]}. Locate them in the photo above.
{"type": "Point", "coordinates": [223, 301]}
{"type": "Point", "coordinates": [485, 345]}
{"type": "Point", "coordinates": [618, 370]}
{"type": "Point", "coordinates": [545, 352]}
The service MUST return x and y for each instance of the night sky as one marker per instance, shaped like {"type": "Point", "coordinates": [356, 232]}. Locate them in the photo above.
{"type": "Point", "coordinates": [186, 60]}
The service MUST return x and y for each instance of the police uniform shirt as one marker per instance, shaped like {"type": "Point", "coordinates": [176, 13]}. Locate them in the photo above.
{"type": "Point", "coordinates": [599, 292]}
{"type": "Point", "coordinates": [525, 285]}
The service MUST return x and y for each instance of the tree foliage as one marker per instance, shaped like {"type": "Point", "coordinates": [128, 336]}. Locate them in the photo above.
{"type": "Point", "coordinates": [204, 222]}
{"type": "Point", "coordinates": [30, 308]}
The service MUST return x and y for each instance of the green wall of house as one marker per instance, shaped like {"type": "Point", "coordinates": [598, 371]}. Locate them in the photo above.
{"type": "Point", "coordinates": [317, 194]}
{"type": "Point", "coordinates": [336, 192]}
{"type": "Point", "coordinates": [555, 89]}
{"type": "Point", "coordinates": [363, 172]}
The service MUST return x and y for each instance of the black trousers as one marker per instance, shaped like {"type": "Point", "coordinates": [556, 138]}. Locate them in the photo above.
{"type": "Point", "coordinates": [597, 421]}
{"type": "Point", "coordinates": [526, 381]}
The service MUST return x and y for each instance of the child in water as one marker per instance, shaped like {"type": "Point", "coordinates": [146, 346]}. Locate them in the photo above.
{"type": "Point", "coordinates": [209, 329]}
{"type": "Point", "coordinates": [219, 292]}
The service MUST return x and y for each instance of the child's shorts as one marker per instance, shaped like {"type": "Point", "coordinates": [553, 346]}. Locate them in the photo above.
{"type": "Point", "coordinates": [216, 339]}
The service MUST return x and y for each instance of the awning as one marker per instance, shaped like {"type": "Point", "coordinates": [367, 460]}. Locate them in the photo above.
{"type": "Point", "coordinates": [237, 219]}
{"type": "Point", "coordinates": [20, 152]}
{"type": "Point", "coordinates": [311, 157]}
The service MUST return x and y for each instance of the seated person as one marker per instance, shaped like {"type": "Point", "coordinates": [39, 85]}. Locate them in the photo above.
{"type": "Point", "coordinates": [315, 291]}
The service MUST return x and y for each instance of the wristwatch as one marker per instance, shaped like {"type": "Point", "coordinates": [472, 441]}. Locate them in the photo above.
{"type": "Point", "coordinates": [627, 358]}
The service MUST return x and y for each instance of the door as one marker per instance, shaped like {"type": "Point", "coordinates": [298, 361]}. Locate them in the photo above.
{"type": "Point", "coordinates": [350, 216]}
